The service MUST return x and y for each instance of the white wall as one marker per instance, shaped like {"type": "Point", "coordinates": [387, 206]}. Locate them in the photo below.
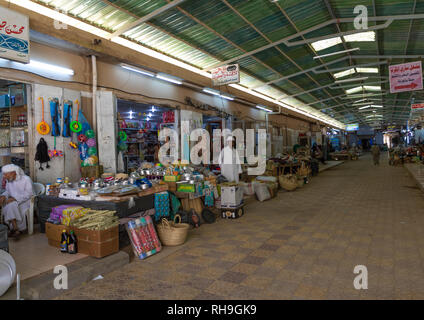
{"type": "Point", "coordinates": [69, 164]}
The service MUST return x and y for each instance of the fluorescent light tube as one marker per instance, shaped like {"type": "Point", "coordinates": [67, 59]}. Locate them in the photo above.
{"type": "Point", "coordinates": [359, 37]}
{"type": "Point", "coordinates": [351, 80]}
{"type": "Point", "coordinates": [227, 97]}
{"type": "Point", "coordinates": [138, 70]}
{"type": "Point", "coordinates": [263, 108]}
{"type": "Point", "coordinates": [168, 78]}
{"type": "Point", "coordinates": [50, 67]}
{"type": "Point", "coordinates": [211, 91]}
{"type": "Point", "coordinates": [327, 43]}
{"type": "Point", "coordinates": [344, 73]}
{"type": "Point", "coordinates": [354, 90]}
{"type": "Point", "coordinates": [367, 70]}
{"type": "Point", "coordinates": [334, 53]}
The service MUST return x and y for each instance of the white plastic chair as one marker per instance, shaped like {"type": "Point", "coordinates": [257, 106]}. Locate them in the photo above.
{"type": "Point", "coordinates": [39, 189]}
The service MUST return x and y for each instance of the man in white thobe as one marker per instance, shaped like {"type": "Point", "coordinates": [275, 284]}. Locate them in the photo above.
{"type": "Point", "coordinates": [15, 201]}
{"type": "Point", "coordinates": [229, 162]}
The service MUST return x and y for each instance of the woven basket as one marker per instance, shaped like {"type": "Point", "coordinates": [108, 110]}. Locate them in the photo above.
{"type": "Point", "coordinates": [172, 233]}
{"type": "Point", "coordinates": [303, 170]}
{"type": "Point", "coordinates": [288, 182]}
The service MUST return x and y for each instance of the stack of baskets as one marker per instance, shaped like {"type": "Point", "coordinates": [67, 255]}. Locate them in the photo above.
{"type": "Point", "coordinates": [172, 233]}
{"type": "Point", "coordinates": [288, 182]}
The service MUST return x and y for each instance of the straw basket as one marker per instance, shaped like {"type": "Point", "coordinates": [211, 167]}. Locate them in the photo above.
{"type": "Point", "coordinates": [288, 182]}
{"type": "Point", "coordinates": [172, 233]}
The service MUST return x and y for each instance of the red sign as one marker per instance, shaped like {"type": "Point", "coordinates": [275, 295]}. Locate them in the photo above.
{"type": "Point", "coordinates": [406, 77]}
{"type": "Point", "coordinates": [417, 106]}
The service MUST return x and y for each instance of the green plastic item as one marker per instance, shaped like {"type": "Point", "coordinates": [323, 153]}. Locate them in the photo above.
{"type": "Point", "coordinates": [123, 136]}
{"type": "Point", "coordinates": [90, 134]}
{"type": "Point", "coordinates": [92, 151]}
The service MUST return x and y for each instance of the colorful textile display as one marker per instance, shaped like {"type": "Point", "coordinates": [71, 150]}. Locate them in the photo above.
{"type": "Point", "coordinates": [161, 205]}
{"type": "Point", "coordinates": [143, 236]}
{"type": "Point", "coordinates": [209, 196]}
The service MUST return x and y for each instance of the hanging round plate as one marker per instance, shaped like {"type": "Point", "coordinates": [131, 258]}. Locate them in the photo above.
{"type": "Point", "coordinates": [76, 126]}
{"type": "Point", "coordinates": [43, 128]}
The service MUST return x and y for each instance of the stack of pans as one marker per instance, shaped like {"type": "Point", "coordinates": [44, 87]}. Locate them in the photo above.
{"type": "Point", "coordinates": [7, 271]}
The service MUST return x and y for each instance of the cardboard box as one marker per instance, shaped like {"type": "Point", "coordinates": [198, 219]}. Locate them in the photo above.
{"type": "Point", "coordinates": [231, 197]}
{"type": "Point", "coordinates": [171, 178]}
{"type": "Point", "coordinates": [172, 186]}
{"type": "Point", "coordinates": [95, 243]}
{"type": "Point", "coordinates": [186, 187]}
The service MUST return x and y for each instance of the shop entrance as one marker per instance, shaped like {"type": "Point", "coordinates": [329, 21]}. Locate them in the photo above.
{"type": "Point", "coordinates": [13, 124]}
{"type": "Point", "coordinates": [138, 126]}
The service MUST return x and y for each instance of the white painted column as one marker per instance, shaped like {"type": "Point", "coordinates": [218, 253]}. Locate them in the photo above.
{"type": "Point", "coordinates": [106, 128]}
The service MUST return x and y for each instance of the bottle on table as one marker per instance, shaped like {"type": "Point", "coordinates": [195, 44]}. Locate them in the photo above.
{"type": "Point", "coordinates": [72, 243]}
{"type": "Point", "coordinates": [64, 242]}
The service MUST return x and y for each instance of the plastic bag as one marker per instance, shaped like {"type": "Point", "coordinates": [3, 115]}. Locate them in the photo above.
{"type": "Point", "coordinates": [262, 192]}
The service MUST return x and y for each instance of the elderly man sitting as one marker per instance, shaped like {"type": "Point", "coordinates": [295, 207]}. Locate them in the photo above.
{"type": "Point", "coordinates": [16, 199]}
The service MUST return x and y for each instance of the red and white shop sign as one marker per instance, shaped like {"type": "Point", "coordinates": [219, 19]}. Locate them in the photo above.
{"type": "Point", "coordinates": [225, 75]}
{"type": "Point", "coordinates": [406, 77]}
{"type": "Point", "coordinates": [417, 106]}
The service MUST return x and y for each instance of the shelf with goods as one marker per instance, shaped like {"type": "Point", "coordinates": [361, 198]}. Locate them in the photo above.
{"type": "Point", "coordinates": [14, 126]}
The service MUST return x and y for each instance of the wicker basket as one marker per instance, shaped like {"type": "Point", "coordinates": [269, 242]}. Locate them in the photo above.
{"type": "Point", "coordinates": [303, 170]}
{"type": "Point", "coordinates": [172, 233]}
{"type": "Point", "coordinates": [288, 182]}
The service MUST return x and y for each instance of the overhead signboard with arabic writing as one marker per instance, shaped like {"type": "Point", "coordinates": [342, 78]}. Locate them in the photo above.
{"type": "Point", "coordinates": [14, 36]}
{"type": "Point", "coordinates": [406, 77]}
{"type": "Point", "coordinates": [225, 75]}
{"type": "Point", "coordinates": [417, 107]}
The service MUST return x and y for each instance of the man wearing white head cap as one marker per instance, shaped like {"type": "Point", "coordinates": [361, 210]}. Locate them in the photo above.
{"type": "Point", "coordinates": [229, 162]}
{"type": "Point", "coordinates": [16, 199]}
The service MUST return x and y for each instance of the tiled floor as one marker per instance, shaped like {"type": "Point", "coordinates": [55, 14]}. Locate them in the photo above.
{"type": "Point", "coordinates": [300, 245]}
{"type": "Point", "coordinates": [33, 255]}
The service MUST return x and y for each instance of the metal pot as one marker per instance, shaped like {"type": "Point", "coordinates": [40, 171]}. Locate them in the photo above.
{"type": "Point", "coordinates": [144, 186]}
{"type": "Point", "coordinates": [134, 175]}
{"type": "Point", "coordinates": [83, 184]}
{"type": "Point", "coordinates": [187, 176]}
{"type": "Point", "coordinates": [98, 183]}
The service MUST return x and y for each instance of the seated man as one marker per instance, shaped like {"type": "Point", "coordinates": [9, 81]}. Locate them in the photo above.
{"type": "Point", "coordinates": [16, 199]}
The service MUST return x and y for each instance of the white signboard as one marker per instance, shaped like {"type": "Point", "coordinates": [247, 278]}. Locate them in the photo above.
{"type": "Point", "coordinates": [14, 36]}
{"type": "Point", "coordinates": [225, 75]}
{"type": "Point", "coordinates": [406, 77]}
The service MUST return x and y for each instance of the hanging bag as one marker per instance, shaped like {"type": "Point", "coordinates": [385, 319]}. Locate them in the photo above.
{"type": "Point", "coordinates": [42, 154]}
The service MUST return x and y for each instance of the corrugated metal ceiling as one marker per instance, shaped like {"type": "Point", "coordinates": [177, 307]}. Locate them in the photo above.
{"type": "Point", "coordinates": [206, 32]}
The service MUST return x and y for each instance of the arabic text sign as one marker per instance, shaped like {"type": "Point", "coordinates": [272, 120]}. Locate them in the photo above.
{"type": "Point", "coordinates": [226, 75]}
{"type": "Point", "coordinates": [417, 106]}
{"type": "Point", "coordinates": [14, 35]}
{"type": "Point", "coordinates": [406, 77]}
{"type": "Point", "coordinates": [352, 127]}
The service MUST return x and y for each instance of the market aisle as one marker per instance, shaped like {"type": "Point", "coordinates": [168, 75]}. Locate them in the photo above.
{"type": "Point", "coordinates": [301, 245]}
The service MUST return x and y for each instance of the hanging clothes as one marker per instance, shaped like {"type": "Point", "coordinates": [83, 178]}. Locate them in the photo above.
{"type": "Point", "coordinates": [42, 154]}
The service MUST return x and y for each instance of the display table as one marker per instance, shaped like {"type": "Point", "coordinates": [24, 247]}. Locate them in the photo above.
{"type": "Point", "coordinates": [46, 203]}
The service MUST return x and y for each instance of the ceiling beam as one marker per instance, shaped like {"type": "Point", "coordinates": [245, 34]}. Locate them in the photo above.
{"type": "Point", "coordinates": [278, 49]}
{"type": "Point", "coordinates": [407, 42]}
{"type": "Point", "coordinates": [147, 17]}
{"type": "Point", "coordinates": [235, 46]}
{"type": "Point", "coordinates": [319, 26]}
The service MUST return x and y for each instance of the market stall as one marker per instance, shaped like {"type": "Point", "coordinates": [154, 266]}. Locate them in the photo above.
{"type": "Point", "coordinates": [138, 132]}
